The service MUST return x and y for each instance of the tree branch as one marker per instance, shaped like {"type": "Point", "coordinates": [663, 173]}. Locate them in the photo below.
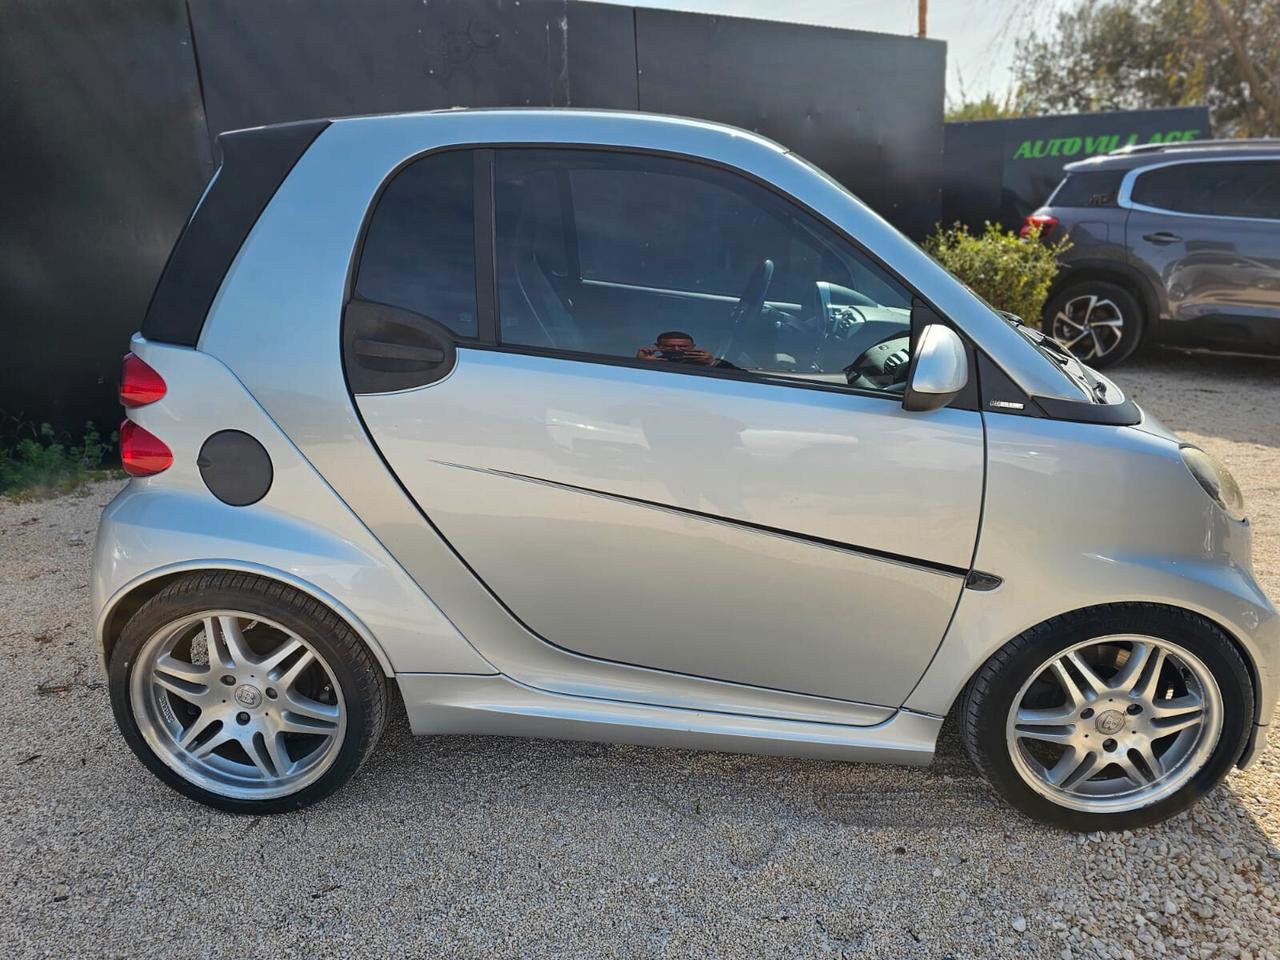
{"type": "Point", "coordinates": [1258, 89]}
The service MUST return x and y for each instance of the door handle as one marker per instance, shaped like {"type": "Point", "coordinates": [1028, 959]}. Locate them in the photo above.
{"type": "Point", "coordinates": [1162, 237]}
{"type": "Point", "coordinates": [388, 350]}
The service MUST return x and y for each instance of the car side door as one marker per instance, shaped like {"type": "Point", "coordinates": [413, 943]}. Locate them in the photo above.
{"type": "Point", "coordinates": [683, 447]}
{"type": "Point", "coordinates": [1210, 232]}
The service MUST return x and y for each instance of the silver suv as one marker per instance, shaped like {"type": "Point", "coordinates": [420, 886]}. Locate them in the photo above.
{"type": "Point", "coordinates": [1176, 244]}
{"type": "Point", "coordinates": [621, 427]}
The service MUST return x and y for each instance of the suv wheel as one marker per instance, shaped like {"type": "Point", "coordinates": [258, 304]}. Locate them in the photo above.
{"type": "Point", "coordinates": [1110, 718]}
{"type": "Point", "coordinates": [1100, 322]}
{"type": "Point", "coordinates": [245, 694]}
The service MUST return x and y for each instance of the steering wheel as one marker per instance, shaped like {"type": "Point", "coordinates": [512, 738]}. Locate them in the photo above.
{"type": "Point", "coordinates": [749, 306]}
{"type": "Point", "coordinates": [883, 365]}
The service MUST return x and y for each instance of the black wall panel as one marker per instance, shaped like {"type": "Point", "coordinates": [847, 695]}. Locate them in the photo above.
{"type": "Point", "coordinates": [864, 107]}
{"type": "Point", "coordinates": [104, 154]}
{"type": "Point", "coordinates": [1001, 170]}
{"type": "Point", "coordinates": [299, 59]}
{"type": "Point", "coordinates": [110, 109]}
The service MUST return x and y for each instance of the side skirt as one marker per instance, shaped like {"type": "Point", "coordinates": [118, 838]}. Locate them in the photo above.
{"type": "Point", "coordinates": [441, 703]}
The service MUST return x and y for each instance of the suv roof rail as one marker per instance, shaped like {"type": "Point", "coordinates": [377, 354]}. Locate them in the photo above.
{"type": "Point", "coordinates": [1196, 145]}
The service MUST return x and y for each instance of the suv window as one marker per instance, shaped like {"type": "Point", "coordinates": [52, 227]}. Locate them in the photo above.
{"type": "Point", "coordinates": [674, 261]}
{"type": "Point", "coordinates": [1248, 188]}
{"type": "Point", "coordinates": [419, 250]}
{"type": "Point", "coordinates": [1091, 188]}
{"type": "Point", "coordinates": [1251, 190]}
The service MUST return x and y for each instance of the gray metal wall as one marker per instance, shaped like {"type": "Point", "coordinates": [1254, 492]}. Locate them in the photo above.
{"type": "Point", "coordinates": [113, 108]}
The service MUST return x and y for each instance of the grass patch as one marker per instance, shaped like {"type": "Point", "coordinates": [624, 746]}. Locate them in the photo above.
{"type": "Point", "coordinates": [36, 463]}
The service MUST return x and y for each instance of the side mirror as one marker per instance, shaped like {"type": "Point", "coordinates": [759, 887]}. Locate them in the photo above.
{"type": "Point", "coordinates": [940, 371]}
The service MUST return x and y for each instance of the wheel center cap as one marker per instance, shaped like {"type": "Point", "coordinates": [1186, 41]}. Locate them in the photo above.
{"type": "Point", "coordinates": [248, 695]}
{"type": "Point", "coordinates": [1108, 722]}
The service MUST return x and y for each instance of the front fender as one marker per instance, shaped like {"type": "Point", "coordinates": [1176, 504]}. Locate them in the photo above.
{"type": "Point", "coordinates": [1080, 515]}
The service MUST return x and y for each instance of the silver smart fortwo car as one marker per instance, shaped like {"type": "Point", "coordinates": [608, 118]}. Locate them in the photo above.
{"type": "Point", "coordinates": [632, 428]}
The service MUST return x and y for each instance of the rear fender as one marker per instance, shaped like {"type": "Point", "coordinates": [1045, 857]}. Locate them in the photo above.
{"type": "Point", "coordinates": [300, 532]}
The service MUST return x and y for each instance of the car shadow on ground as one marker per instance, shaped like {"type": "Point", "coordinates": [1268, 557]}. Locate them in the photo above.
{"type": "Point", "coordinates": [948, 795]}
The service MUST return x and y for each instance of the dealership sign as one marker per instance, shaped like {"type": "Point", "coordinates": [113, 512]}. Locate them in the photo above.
{"type": "Point", "coordinates": [1087, 146]}
{"type": "Point", "coordinates": [1001, 170]}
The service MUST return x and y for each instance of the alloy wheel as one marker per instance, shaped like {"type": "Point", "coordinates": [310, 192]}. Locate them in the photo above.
{"type": "Point", "coordinates": [1114, 723]}
{"type": "Point", "coordinates": [1089, 326]}
{"type": "Point", "coordinates": [237, 704]}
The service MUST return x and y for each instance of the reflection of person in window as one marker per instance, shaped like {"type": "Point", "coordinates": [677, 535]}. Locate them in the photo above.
{"type": "Point", "coordinates": [675, 346]}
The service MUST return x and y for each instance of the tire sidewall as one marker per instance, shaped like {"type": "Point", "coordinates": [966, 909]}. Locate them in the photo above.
{"type": "Point", "coordinates": [1130, 309]}
{"type": "Point", "coordinates": [1213, 648]}
{"type": "Point", "coordinates": [165, 608]}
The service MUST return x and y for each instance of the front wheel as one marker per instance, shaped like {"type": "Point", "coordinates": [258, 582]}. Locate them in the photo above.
{"type": "Point", "coordinates": [245, 694]}
{"type": "Point", "coordinates": [1110, 718]}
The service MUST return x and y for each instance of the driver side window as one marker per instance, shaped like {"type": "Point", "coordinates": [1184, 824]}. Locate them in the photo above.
{"type": "Point", "coordinates": [685, 265]}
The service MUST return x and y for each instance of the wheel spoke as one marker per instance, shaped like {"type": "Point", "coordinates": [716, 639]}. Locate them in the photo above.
{"type": "Point", "coordinates": [1173, 716]}
{"type": "Point", "coordinates": [1049, 734]}
{"type": "Point", "coordinates": [287, 678]}
{"type": "Point", "coordinates": [255, 747]}
{"type": "Point", "coordinates": [305, 715]}
{"type": "Point", "coordinates": [1094, 684]}
{"type": "Point", "coordinates": [1055, 725]}
{"type": "Point", "coordinates": [198, 726]}
{"type": "Point", "coordinates": [235, 642]}
{"type": "Point", "coordinates": [193, 693]}
{"type": "Point", "coordinates": [190, 672]}
{"type": "Point", "coordinates": [282, 653]}
{"type": "Point", "coordinates": [1131, 673]}
{"type": "Point", "coordinates": [1075, 696]}
{"type": "Point", "coordinates": [212, 744]}
{"type": "Point", "coordinates": [1072, 767]}
{"type": "Point", "coordinates": [1071, 343]}
{"type": "Point", "coordinates": [1054, 716]}
{"type": "Point", "coordinates": [1146, 686]}
{"type": "Point", "coordinates": [1146, 770]}
{"type": "Point", "coordinates": [219, 656]}
{"type": "Point", "coordinates": [1088, 311]}
{"type": "Point", "coordinates": [276, 753]}
{"type": "Point", "coordinates": [1062, 315]}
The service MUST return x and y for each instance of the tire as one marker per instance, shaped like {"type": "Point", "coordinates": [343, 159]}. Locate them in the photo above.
{"type": "Point", "coordinates": [1071, 307]}
{"type": "Point", "coordinates": [1194, 760]}
{"type": "Point", "coordinates": [253, 748]}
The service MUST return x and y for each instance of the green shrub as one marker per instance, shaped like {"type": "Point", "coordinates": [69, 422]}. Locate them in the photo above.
{"type": "Point", "coordinates": [42, 464]}
{"type": "Point", "coordinates": [1009, 273]}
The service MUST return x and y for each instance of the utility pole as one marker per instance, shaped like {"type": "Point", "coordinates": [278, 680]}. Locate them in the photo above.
{"type": "Point", "coordinates": [922, 13]}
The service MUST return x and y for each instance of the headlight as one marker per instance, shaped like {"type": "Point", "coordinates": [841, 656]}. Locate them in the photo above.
{"type": "Point", "coordinates": [1216, 480]}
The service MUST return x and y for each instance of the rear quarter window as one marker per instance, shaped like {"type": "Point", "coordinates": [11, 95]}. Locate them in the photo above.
{"type": "Point", "coordinates": [419, 249]}
{"type": "Point", "coordinates": [1093, 188]}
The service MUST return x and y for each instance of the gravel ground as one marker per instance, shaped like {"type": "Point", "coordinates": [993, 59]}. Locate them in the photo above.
{"type": "Point", "coordinates": [492, 847]}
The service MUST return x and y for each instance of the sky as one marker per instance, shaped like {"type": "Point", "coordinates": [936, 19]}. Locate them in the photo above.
{"type": "Point", "coordinates": [981, 35]}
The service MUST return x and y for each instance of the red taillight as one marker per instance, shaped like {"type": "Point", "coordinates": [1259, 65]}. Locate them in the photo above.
{"type": "Point", "coordinates": [139, 383]}
{"type": "Point", "coordinates": [142, 453]}
{"type": "Point", "coordinates": [1042, 222]}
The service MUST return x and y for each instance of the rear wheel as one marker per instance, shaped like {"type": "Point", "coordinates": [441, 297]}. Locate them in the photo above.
{"type": "Point", "coordinates": [1099, 322]}
{"type": "Point", "coordinates": [1110, 718]}
{"type": "Point", "coordinates": [245, 694]}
